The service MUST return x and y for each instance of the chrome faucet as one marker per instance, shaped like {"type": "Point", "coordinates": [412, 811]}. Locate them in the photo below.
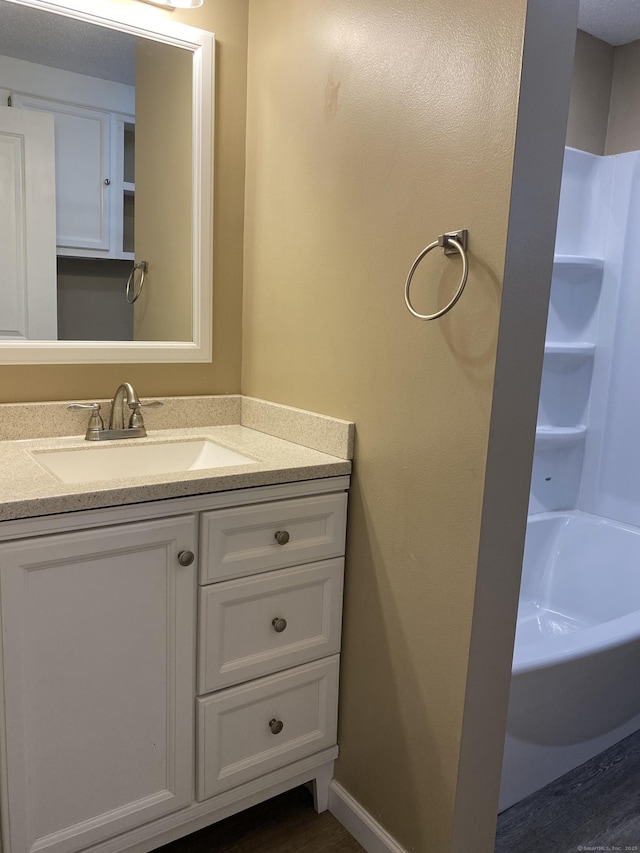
{"type": "Point", "coordinates": [117, 417]}
{"type": "Point", "coordinates": [125, 395]}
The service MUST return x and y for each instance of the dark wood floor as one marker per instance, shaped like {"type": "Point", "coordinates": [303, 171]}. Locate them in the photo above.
{"type": "Point", "coordinates": [285, 824]}
{"type": "Point", "coordinates": [594, 807]}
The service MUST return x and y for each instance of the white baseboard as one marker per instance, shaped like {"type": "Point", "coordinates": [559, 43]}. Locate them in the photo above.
{"type": "Point", "coordinates": [359, 823]}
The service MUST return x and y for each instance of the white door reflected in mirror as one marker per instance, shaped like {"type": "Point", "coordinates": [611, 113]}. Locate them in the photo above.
{"type": "Point", "coordinates": [27, 226]}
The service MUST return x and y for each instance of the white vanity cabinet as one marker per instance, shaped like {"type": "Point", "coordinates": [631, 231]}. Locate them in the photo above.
{"type": "Point", "coordinates": [138, 706]}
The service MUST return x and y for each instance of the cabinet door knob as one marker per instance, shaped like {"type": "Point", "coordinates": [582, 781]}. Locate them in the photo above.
{"type": "Point", "coordinates": [282, 537]}
{"type": "Point", "coordinates": [276, 726]}
{"type": "Point", "coordinates": [107, 182]}
{"type": "Point", "coordinates": [279, 625]}
{"type": "Point", "coordinates": [185, 558]}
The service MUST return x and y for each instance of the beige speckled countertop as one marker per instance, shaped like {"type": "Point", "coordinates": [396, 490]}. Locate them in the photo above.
{"type": "Point", "coordinates": [28, 490]}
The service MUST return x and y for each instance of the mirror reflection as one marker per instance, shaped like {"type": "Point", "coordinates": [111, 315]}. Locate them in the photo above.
{"type": "Point", "coordinates": [95, 180]}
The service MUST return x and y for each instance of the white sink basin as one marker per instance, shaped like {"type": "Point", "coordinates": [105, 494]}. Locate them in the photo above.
{"type": "Point", "coordinates": [115, 462]}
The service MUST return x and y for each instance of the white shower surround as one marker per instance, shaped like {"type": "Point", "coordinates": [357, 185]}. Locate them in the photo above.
{"type": "Point", "coordinates": [599, 216]}
{"type": "Point", "coordinates": [575, 689]}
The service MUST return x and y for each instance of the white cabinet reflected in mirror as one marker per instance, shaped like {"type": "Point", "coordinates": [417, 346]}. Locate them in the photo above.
{"type": "Point", "coordinates": [105, 180]}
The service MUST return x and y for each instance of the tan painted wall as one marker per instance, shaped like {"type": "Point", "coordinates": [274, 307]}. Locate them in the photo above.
{"type": "Point", "coordinates": [228, 19]}
{"type": "Point", "coordinates": [590, 94]}
{"type": "Point", "coordinates": [624, 115]}
{"type": "Point", "coordinates": [372, 128]}
{"type": "Point", "coordinates": [163, 220]}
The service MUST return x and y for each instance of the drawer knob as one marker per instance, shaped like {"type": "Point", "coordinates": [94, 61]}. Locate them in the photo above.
{"type": "Point", "coordinates": [279, 625]}
{"type": "Point", "coordinates": [282, 537]}
{"type": "Point", "coordinates": [185, 558]}
{"type": "Point", "coordinates": [276, 726]}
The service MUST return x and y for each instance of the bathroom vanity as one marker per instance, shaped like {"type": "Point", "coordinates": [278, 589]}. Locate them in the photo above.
{"type": "Point", "coordinates": [167, 662]}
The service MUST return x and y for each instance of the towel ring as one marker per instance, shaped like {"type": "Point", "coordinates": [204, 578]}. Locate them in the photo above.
{"type": "Point", "coordinates": [143, 266]}
{"type": "Point", "coordinates": [453, 241]}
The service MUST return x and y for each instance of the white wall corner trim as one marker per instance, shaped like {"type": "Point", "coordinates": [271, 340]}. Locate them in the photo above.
{"type": "Point", "coordinates": [360, 823]}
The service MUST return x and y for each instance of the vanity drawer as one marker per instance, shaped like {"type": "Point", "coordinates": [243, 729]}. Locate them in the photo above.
{"type": "Point", "coordinates": [247, 731]}
{"type": "Point", "coordinates": [254, 626]}
{"type": "Point", "coordinates": [242, 541]}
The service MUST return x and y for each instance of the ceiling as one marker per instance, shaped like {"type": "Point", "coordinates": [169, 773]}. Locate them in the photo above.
{"type": "Point", "coordinates": [614, 21]}
{"type": "Point", "coordinates": [60, 42]}
{"type": "Point", "coordinates": [45, 38]}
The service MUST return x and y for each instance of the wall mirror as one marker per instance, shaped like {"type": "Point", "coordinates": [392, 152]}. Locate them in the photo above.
{"type": "Point", "coordinates": [106, 160]}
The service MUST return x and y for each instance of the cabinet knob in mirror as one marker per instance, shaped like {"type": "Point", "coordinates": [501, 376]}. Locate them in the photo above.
{"type": "Point", "coordinates": [276, 726]}
{"type": "Point", "coordinates": [279, 625]}
{"type": "Point", "coordinates": [185, 558]}
{"type": "Point", "coordinates": [282, 537]}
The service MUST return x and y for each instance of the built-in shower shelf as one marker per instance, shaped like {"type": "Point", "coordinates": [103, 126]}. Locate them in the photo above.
{"type": "Point", "coordinates": [583, 261]}
{"type": "Point", "coordinates": [575, 349]}
{"type": "Point", "coordinates": [553, 435]}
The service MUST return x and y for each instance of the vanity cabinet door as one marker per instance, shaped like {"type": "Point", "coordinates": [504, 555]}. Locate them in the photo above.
{"type": "Point", "coordinates": [98, 639]}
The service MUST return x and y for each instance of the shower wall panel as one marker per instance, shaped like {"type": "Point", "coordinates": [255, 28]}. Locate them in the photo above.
{"type": "Point", "coordinates": [611, 470]}
{"type": "Point", "coordinates": [572, 333]}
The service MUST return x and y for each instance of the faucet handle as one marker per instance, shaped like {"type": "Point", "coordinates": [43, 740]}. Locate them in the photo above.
{"type": "Point", "coordinates": [150, 404]}
{"type": "Point", "coordinates": [95, 421]}
{"type": "Point", "coordinates": [77, 407]}
{"type": "Point", "coordinates": [136, 421]}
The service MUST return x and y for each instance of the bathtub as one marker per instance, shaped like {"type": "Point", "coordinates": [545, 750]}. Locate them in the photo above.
{"type": "Point", "coordinates": [575, 686]}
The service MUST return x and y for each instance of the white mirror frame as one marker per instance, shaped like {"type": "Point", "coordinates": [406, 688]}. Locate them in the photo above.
{"type": "Point", "coordinates": [150, 23]}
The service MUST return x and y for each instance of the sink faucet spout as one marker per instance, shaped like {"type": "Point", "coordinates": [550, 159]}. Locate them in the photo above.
{"type": "Point", "coordinates": [117, 418]}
